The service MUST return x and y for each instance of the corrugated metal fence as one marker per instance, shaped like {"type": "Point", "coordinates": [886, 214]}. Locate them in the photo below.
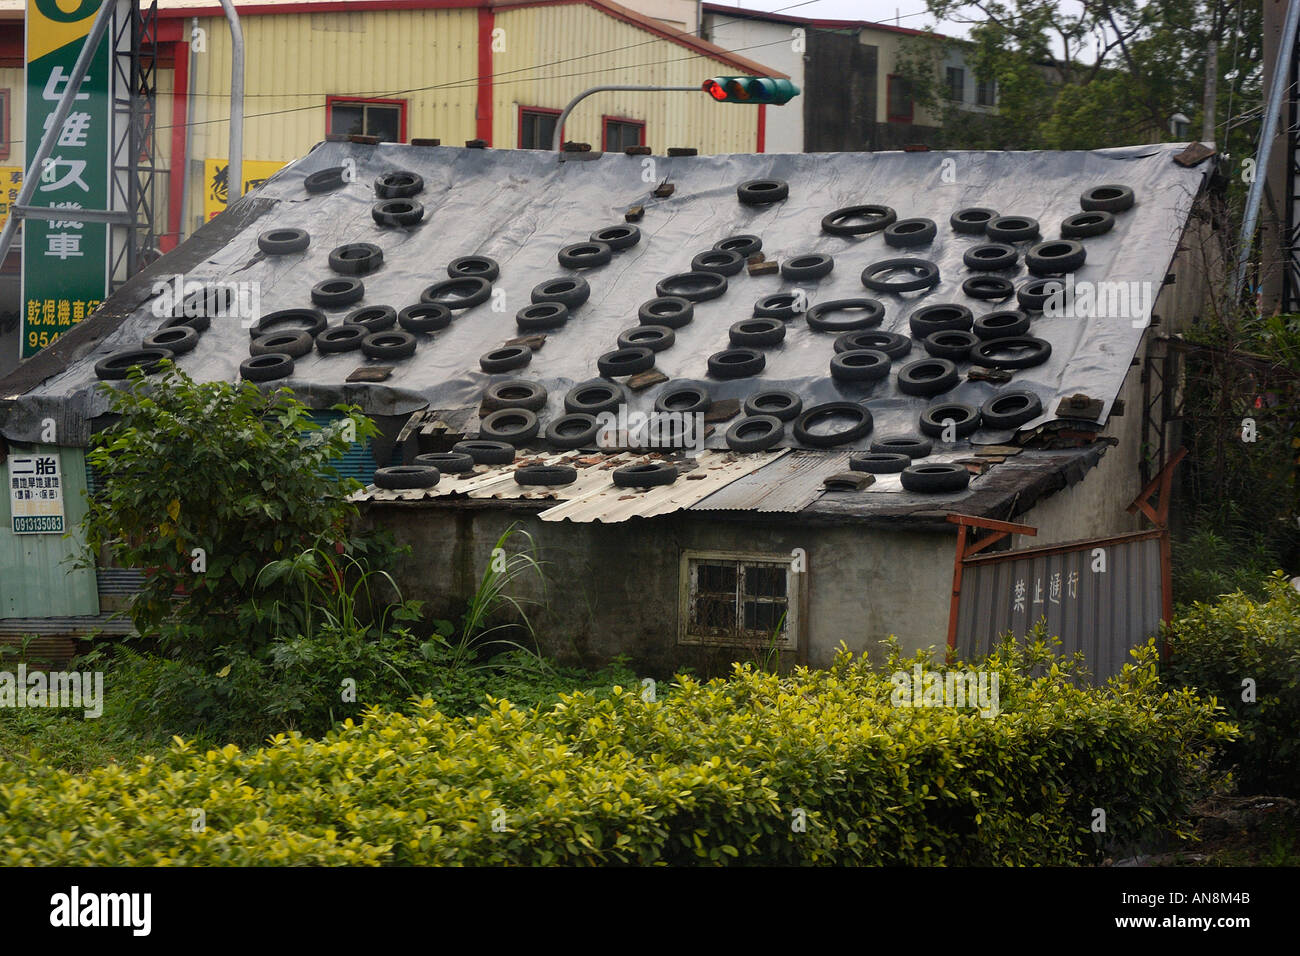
{"type": "Point", "coordinates": [1100, 597]}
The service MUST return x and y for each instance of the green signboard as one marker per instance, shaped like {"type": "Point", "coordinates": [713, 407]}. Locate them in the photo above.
{"type": "Point", "coordinates": [65, 262]}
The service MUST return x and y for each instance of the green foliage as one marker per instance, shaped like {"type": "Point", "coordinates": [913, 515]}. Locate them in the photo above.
{"type": "Point", "coordinates": [714, 773]}
{"type": "Point", "coordinates": [1209, 563]}
{"type": "Point", "coordinates": [1215, 647]}
{"type": "Point", "coordinates": [242, 474]}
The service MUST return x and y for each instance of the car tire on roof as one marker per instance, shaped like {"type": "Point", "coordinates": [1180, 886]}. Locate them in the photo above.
{"type": "Point", "coordinates": [1055, 257]}
{"type": "Point", "coordinates": [991, 257]}
{"type": "Point", "coordinates": [1034, 351]}
{"type": "Point", "coordinates": [940, 317]}
{"type": "Point", "coordinates": [340, 338]}
{"type": "Point", "coordinates": [695, 286]}
{"type": "Point", "coordinates": [293, 344]}
{"type": "Point", "coordinates": [514, 393]}
{"type": "Point", "coordinates": [1012, 229]}
{"type": "Point", "coordinates": [762, 192]}
{"type": "Point", "coordinates": [116, 366]}
{"type": "Point", "coordinates": [925, 275]}
{"type": "Point", "coordinates": [548, 475]}
{"type": "Point", "coordinates": [283, 242]}
{"type": "Point", "coordinates": [625, 361]}
{"type": "Point", "coordinates": [988, 287]}
{"type": "Point", "coordinates": [808, 266]}
{"type": "Point", "coordinates": [891, 343]}
{"type": "Point", "coordinates": [776, 403]}
{"type": "Point", "coordinates": [324, 180]}
{"type": "Point", "coordinates": [513, 425]}
{"type": "Point", "coordinates": [311, 321]}
{"type": "Point", "coordinates": [685, 398]}
{"type": "Point", "coordinates": [972, 221]}
{"type": "Point", "coordinates": [265, 368]}
{"type": "Point", "coordinates": [1108, 198]}
{"type": "Point", "coordinates": [570, 291]}
{"type": "Point", "coordinates": [397, 212]}
{"type": "Point", "coordinates": [463, 292]}
{"type": "Point", "coordinates": [736, 363]}
{"type": "Point", "coordinates": [393, 344]}
{"type": "Point", "coordinates": [406, 477]}
{"type": "Point", "coordinates": [757, 333]}
{"type": "Point", "coordinates": [648, 475]}
{"type": "Point", "coordinates": [594, 396]}
{"type": "Point", "coordinates": [656, 338]}
{"type": "Point", "coordinates": [781, 305]}
{"type": "Point", "coordinates": [718, 261]}
{"type": "Point", "coordinates": [965, 419]}
{"type": "Point", "coordinates": [375, 318]}
{"type": "Point", "coordinates": [485, 452]}
{"type": "Point", "coordinates": [398, 184]}
{"type": "Point", "coordinates": [935, 477]}
{"type": "Point", "coordinates": [447, 462]}
{"type": "Point", "coordinates": [478, 267]}
{"type": "Point", "coordinates": [743, 245]}
{"type": "Point", "coordinates": [860, 365]}
{"type": "Point", "coordinates": [424, 317]}
{"type": "Point", "coordinates": [929, 376]}
{"type": "Point", "coordinates": [542, 316]}
{"type": "Point", "coordinates": [573, 430]}
{"type": "Point", "coordinates": [913, 446]}
{"type": "Point", "coordinates": [873, 218]}
{"type": "Point", "coordinates": [1001, 324]}
{"type": "Point", "coordinates": [1033, 295]}
{"type": "Point", "coordinates": [505, 359]}
{"type": "Point", "coordinates": [755, 433]}
{"type": "Point", "coordinates": [337, 293]}
{"type": "Point", "coordinates": [585, 255]}
{"type": "Point", "coordinates": [620, 237]}
{"type": "Point", "coordinates": [859, 429]}
{"type": "Point", "coordinates": [1011, 408]}
{"type": "Point", "coordinates": [1084, 225]}
{"type": "Point", "coordinates": [910, 232]}
{"type": "Point", "coordinates": [858, 315]}
{"type": "Point", "coordinates": [879, 463]}
{"type": "Point", "coordinates": [952, 344]}
{"type": "Point", "coordinates": [356, 258]}
{"type": "Point", "coordinates": [178, 340]}
{"type": "Point", "coordinates": [671, 311]}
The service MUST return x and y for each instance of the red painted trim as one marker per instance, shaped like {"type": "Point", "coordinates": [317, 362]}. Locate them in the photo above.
{"type": "Point", "coordinates": [761, 145]}
{"type": "Point", "coordinates": [519, 123]}
{"type": "Point", "coordinates": [605, 120]}
{"type": "Point", "coordinates": [176, 177]}
{"type": "Point", "coordinates": [11, 45]}
{"type": "Point", "coordinates": [483, 108]}
{"type": "Point", "coordinates": [330, 100]}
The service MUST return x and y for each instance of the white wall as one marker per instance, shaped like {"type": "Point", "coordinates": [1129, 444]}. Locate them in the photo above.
{"type": "Point", "coordinates": [678, 14]}
{"type": "Point", "coordinates": [773, 45]}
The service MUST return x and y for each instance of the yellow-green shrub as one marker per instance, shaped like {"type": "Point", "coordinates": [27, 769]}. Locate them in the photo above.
{"type": "Point", "coordinates": [715, 773]}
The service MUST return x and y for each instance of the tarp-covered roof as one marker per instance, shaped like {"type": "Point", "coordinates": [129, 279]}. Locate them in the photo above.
{"type": "Point", "coordinates": [521, 207]}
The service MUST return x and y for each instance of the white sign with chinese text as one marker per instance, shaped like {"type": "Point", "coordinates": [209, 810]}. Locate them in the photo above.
{"type": "Point", "coordinates": [36, 494]}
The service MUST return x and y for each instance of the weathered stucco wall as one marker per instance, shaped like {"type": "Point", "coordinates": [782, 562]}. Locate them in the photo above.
{"type": "Point", "coordinates": [614, 589]}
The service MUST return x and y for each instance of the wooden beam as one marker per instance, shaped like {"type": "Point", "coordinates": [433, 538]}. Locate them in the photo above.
{"type": "Point", "coordinates": [991, 524]}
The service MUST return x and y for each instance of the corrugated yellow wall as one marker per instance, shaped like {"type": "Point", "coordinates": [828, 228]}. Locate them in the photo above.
{"type": "Point", "coordinates": [527, 75]}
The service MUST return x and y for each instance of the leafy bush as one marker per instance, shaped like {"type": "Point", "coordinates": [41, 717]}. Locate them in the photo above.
{"type": "Point", "coordinates": [714, 773]}
{"type": "Point", "coordinates": [224, 474]}
{"type": "Point", "coordinates": [1215, 647]}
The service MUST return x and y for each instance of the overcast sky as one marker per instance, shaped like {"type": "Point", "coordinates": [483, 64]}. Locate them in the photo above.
{"type": "Point", "coordinates": [911, 13]}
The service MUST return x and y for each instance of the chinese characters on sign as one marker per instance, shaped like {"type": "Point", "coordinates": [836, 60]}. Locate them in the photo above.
{"type": "Point", "coordinates": [11, 180]}
{"type": "Point", "coordinates": [65, 261]}
{"type": "Point", "coordinates": [36, 494]}
{"type": "Point", "coordinates": [216, 191]}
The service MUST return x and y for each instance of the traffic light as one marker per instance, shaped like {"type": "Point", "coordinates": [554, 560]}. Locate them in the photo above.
{"type": "Point", "coordinates": [750, 89]}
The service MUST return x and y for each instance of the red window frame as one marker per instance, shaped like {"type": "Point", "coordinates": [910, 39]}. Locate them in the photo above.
{"type": "Point", "coordinates": [401, 104]}
{"type": "Point", "coordinates": [519, 123]}
{"type": "Point", "coordinates": [6, 97]}
{"type": "Point", "coordinates": [627, 121]}
{"type": "Point", "coordinates": [889, 99]}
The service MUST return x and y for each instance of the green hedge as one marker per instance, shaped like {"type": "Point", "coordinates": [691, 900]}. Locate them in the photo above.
{"type": "Point", "coordinates": [1215, 647]}
{"type": "Point", "coordinates": [715, 773]}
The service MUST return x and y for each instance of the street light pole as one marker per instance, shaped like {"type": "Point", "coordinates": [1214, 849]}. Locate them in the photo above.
{"type": "Point", "coordinates": [557, 141]}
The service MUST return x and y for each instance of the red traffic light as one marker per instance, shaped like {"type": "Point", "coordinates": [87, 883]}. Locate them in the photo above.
{"type": "Point", "coordinates": [715, 90]}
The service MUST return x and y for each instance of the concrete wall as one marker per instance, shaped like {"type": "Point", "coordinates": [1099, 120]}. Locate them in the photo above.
{"type": "Point", "coordinates": [614, 589]}
{"type": "Point", "coordinates": [682, 15]}
{"type": "Point", "coordinates": [770, 43]}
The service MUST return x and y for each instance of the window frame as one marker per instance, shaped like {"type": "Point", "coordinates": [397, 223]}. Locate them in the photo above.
{"type": "Point", "coordinates": [521, 109]}
{"type": "Point", "coordinates": [961, 92]}
{"type": "Point", "coordinates": [331, 100]}
{"type": "Point", "coordinates": [890, 115]}
{"type": "Point", "coordinates": [794, 597]}
{"type": "Point", "coordinates": [605, 120]}
{"type": "Point", "coordinates": [992, 87]}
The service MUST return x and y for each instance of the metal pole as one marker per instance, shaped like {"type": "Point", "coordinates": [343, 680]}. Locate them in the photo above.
{"type": "Point", "coordinates": [557, 139]}
{"type": "Point", "coordinates": [97, 31]}
{"type": "Point", "coordinates": [235, 169]}
{"type": "Point", "coordinates": [186, 175]}
{"type": "Point", "coordinates": [1281, 73]}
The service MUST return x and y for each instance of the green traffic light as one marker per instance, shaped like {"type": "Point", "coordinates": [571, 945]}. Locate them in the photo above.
{"type": "Point", "coordinates": [750, 89]}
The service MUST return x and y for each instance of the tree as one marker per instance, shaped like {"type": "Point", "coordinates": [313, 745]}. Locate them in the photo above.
{"type": "Point", "coordinates": [1095, 73]}
{"type": "Point", "coordinates": [203, 485]}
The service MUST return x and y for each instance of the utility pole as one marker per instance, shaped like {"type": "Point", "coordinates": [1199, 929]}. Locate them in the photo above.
{"type": "Point", "coordinates": [1272, 213]}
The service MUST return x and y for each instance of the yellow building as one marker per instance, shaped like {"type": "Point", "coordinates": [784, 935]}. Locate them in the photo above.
{"type": "Point", "coordinates": [454, 70]}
